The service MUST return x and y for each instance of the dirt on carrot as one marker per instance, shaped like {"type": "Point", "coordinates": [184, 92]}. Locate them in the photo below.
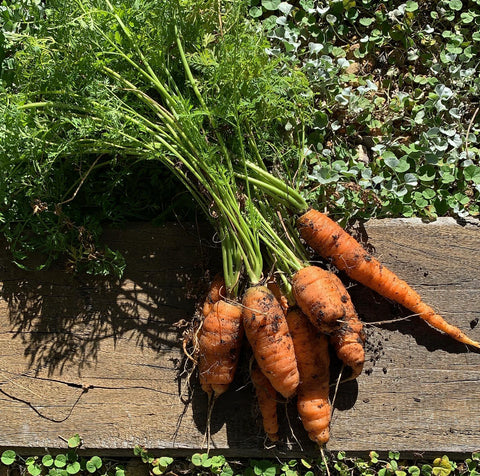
{"type": "Point", "coordinates": [332, 242]}
{"type": "Point", "coordinates": [267, 331]}
{"type": "Point", "coordinates": [267, 402]}
{"type": "Point", "coordinates": [313, 360]}
{"type": "Point", "coordinates": [219, 345]}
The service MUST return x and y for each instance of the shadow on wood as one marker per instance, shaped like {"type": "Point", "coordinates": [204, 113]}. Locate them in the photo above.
{"type": "Point", "coordinates": [103, 358]}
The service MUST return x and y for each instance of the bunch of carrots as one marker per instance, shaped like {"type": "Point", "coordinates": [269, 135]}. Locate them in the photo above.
{"type": "Point", "coordinates": [289, 332]}
{"type": "Point", "coordinates": [264, 224]}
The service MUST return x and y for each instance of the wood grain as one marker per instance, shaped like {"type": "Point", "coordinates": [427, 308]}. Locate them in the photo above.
{"type": "Point", "coordinates": [103, 358]}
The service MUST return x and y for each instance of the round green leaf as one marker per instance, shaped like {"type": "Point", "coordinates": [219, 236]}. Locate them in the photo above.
{"type": "Point", "coordinates": [411, 6]}
{"type": "Point", "coordinates": [455, 4]}
{"type": "Point", "coordinates": [165, 461]}
{"type": "Point", "coordinates": [255, 12]}
{"type": "Point", "coordinates": [73, 468]}
{"type": "Point", "coordinates": [47, 461]}
{"type": "Point", "coordinates": [75, 441]}
{"type": "Point", "coordinates": [271, 4]}
{"type": "Point", "coordinates": [412, 180]}
{"type": "Point", "coordinates": [402, 166]}
{"type": "Point", "coordinates": [428, 193]}
{"type": "Point", "coordinates": [472, 172]}
{"type": "Point", "coordinates": [34, 469]}
{"type": "Point", "coordinates": [119, 471]}
{"type": "Point", "coordinates": [8, 457]}
{"type": "Point", "coordinates": [93, 464]}
{"type": "Point", "coordinates": [197, 459]}
{"type": "Point", "coordinates": [60, 461]}
{"type": "Point", "coordinates": [366, 21]}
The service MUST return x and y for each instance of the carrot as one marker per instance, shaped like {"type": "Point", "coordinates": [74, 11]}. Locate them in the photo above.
{"type": "Point", "coordinates": [329, 240]}
{"type": "Point", "coordinates": [319, 297]}
{"type": "Point", "coordinates": [220, 340]}
{"type": "Point", "coordinates": [313, 360]}
{"type": "Point", "coordinates": [215, 293]}
{"type": "Point", "coordinates": [267, 331]}
{"type": "Point", "coordinates": [279, 296]}
{"type": "Point", "coordinates": [348, 342]}
{"type": "Point", "coordinates": [267, 402]}
{"type": "Point", "coordinates": [348, 339]}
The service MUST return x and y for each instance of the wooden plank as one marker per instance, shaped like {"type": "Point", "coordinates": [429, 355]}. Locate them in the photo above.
{"type": "Point", "coordinates": [103, 358]}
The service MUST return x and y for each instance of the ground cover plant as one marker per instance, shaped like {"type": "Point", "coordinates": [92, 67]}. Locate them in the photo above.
{"type": "Point", "coordinates": [391, 464]}
{"type": "Point", "coordinates": [243, 105]}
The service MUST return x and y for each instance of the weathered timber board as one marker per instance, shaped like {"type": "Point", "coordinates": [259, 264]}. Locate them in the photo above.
{"type": "Point", "coordinates": [103, 358]}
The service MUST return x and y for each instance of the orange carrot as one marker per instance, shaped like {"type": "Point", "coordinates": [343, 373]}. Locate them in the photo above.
{"type": "Point", "coordinates": [348, 339]}
{"type": "Point", "coordinates": [279, 296]}
{"type": "Point", "coordinates": [319, 297]}
{"type": "Point", "coordinates": [215, 293]}
{"type": "Point", "coordinates": [220, 340]}
{"type": "Point", "coordinates": [267, 402]}
{"type": "Point", "coordinates": [329, 240]}
{"type": "Point", "coordinates": [267, 331]}
{"type": "Point", "coordinates": [313, 360]}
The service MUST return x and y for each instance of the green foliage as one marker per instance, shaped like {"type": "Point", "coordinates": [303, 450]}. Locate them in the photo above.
{"type": "Point", "coordinates": [395, 86]}
{"type": "Point", "coordinates": [64, 464]}
{"type": "Point", "coordinates": [203, 464]}
{"type": "Point", "coordinates": [369, 107]}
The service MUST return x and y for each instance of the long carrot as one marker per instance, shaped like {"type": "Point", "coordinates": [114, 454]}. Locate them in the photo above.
{"type": "Point", "coordinates": [267, 402]}
{"type": "Point", "coordinates": [220, 340]}
{"type": "Point", "coordinates": [313, 360]}
{"type": "Point", "coordinates": [329, 240]}
{"type": "Point", "coordinates": [267, 331]}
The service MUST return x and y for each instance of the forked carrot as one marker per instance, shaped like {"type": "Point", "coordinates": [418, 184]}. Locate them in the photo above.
{"type": "Point", "coordinates": [329, 240]}
{"type": "Point", "coordinates": [313, 361]}
{"type": "Point", "coordinates": [267, 331]}
{"type": "Point", "coordinates": [267, 402]}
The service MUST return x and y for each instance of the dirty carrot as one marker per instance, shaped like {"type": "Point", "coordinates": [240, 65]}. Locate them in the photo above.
{"type": "Point", "coordinates": [216, 293]}
{"type": "Point", "coordinates": [319, 297]}
{"type": "Point", "coordinates": [219, 342]}
{"type": "Point", "coordinates": [348, 339]}
{"type": "Point", "coordinates": [267, 331]}
{"type": "Point", "coordinates": [267, 402]}
{"type": "Point", "coordinates": [279, 296]}
{"type": "Point", "coordinates": [329, 240]}
{"type": "Point", "coordinates": [313, 361]}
